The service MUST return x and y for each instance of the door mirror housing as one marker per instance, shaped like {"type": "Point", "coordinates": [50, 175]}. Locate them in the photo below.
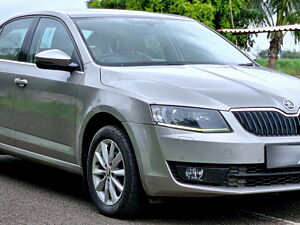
{"type": "Point", "coordinates": [55, 59]}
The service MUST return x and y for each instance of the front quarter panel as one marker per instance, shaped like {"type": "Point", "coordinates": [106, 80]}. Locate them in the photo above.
{"type": "Point", "coordinates": [94, 98]}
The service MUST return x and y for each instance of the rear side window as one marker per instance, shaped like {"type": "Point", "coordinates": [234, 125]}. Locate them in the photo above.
{"type": "Point", "coordinates": [51, 34]}
{"type": "Point", "coordinates": [12, 38]}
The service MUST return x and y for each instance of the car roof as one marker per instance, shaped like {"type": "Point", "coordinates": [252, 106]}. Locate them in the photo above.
{"type": "Point", "coordinates": [115, 12]}
{"type": "Point", "coordinates": [101, 13]}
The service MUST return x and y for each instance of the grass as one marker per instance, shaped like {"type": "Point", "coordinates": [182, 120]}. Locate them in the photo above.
{"type": "Point", "coordinates": [289, 66]}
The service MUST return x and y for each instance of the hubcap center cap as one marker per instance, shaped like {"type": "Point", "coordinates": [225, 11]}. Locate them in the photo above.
{"type": "Point", "coordinates": [108, 171]}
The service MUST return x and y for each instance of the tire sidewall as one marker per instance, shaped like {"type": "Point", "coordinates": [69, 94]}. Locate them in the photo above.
{"type": "Point", "coordinates": [118, 136]}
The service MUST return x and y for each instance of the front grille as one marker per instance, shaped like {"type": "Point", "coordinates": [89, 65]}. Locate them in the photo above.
{"type": "Point", "coordinates": [241, 176]}
{"type": "Point", "coordinates": [268, 123]}
{"type": "Point", "coordinates": [258, 175]}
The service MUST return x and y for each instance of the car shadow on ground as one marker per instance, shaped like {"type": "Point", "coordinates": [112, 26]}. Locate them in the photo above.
{"type": "Point", "coordinates": [188, 211]}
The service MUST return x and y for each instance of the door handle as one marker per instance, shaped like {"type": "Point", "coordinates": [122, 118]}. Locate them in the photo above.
{"type": "Point", "coordinates": [21, 82]}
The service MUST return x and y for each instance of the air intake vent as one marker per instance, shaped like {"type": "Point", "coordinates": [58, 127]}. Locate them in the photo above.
{"type": "Point", "coordinates": [268, 123]}
{"type": "Point", "coordinates": [242, 176]}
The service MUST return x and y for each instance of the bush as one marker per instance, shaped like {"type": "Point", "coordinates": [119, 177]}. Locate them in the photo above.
{"type": "Point", "coordinates": [289, 66]}
{"type": "Point", "coordinates": [290, 55]}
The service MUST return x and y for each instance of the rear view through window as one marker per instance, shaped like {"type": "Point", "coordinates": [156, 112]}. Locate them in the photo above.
{"type": "Point", "coordinates": [140, 41]}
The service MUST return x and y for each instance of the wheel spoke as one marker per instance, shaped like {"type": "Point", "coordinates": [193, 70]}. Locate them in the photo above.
{"type": "Point", "coordinates": [104, 152]}
{"type": "Point", "coordinates": [117, 184]}
{"type": "Point", "coordinates": [101, 184]}
{"type": "Point", "coordinates": [116, 161]}
{"type": "Point", "coordinates": [111, 151]}
{"type": "Point", "coordinates": [100, 160]}
{"type": "Point", "coordinates": [118, 172]}
{"type": "Point", "coordinates": [112, 192]}
{"type": "Point", "coordinates": [106, 191]}
{"type": "Point", "coordinates": [98, 172]}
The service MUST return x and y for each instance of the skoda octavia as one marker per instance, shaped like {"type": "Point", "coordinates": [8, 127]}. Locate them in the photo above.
{"type": "Point", "coordinates": [145, 106]}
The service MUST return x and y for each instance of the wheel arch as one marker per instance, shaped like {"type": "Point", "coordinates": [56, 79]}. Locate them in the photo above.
{"type": "Point", "coordinates": [97, 119]}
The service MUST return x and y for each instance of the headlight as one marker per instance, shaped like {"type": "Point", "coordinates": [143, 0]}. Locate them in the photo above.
{"type": "Point", "coordinates": [193, 119]}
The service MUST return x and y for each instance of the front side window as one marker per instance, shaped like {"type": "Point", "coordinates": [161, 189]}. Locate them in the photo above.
{"type": "Point", "coordinates": [143, 41]}
{"type": "Point", "coordinates": [12, 38]}
{"type": "Point", "coordinates": [51, 34]}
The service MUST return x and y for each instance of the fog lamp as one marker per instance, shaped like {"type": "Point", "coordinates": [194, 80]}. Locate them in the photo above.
{"type": "Point", "coordinates": [194, 173]}
{"type": "Point", "coordinates": [201, 175]}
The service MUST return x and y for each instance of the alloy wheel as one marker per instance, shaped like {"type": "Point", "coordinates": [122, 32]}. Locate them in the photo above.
{"type": "Point", "coordinates": [108, 172]}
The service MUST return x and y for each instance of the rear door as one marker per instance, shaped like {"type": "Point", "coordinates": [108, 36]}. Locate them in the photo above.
{"type": "Point", "coordinates": [45, 105]}
{"type": "Point", "coordinates": [12, 38]}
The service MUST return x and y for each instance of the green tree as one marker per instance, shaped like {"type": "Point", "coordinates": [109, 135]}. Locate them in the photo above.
{"type": "Point", "coordinates": [214, 13]}
{"type": "Point", "coordinates": [196, 9]}
{"type": "Point", "coordinates": [236, 14]}
{"type": "Point", "coordinates": [278, 13]}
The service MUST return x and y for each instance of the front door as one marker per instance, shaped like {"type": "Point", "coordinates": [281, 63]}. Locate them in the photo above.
{"type": "Point", "coordinates": [12, 37]}
{"type": "Point", "coordinates": [45, 99]}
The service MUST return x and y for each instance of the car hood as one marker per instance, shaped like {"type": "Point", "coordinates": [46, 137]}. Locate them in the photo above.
{"type": "Point", "coordinates": [207, 86]}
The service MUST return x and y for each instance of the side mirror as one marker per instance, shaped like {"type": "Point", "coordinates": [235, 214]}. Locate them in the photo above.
{"type": "Point", "coordinates": [55, 59]}
{"type": "Point", "coordinates": [251, 56]}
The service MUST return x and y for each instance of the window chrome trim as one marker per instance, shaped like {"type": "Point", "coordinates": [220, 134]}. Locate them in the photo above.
{"type": "Point", "coordinates": [269, 109]}
{"type": "Point", "coordinates": [33, 64]}
{"type": "Point", "coordinates": [14, 61]}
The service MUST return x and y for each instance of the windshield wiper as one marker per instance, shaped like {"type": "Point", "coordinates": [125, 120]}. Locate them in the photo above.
{"type": "Point", "coordinates": [246, 64]}
{"type": "Point", "coordinates": [174, 64]}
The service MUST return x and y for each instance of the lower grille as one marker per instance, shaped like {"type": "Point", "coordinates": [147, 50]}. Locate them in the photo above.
{"type": "Point", "coordinates": [240, 176]}
{"type": "Point", "coordinates": [258, 175]}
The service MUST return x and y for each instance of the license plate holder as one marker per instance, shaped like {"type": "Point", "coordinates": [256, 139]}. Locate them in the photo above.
{"type": "Point", "coordinates": [282, 156]}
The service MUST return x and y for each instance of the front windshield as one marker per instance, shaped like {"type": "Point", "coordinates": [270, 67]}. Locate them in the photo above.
{"type": "Point", "coordinates": [143, 41]}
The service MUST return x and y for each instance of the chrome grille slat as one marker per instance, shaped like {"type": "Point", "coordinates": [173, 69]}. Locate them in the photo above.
{"type": "Point", "coordinates": [253, 120]}
{"type": "Point", "coordinates": [286, 125]}
{"type": "Point", "coordinates": [274, 122]}
{"type": "Point", "coordinates": [291, 125]}
{"type": "Point", "coordinates": [268, 123]}
{"type": "Point", "coordinates": [280, 123]}
{"type": "Point", "coordinates": [298, 122]}
{"type": "Point", "coordinates": [260, 131]}
{"type": "Point", "coordinates": [247, 120]}
{"type": "Point", "coordinates": [284, 131]}
{"type": "Point", "coordinates": [265, 130]}
{"type": "Point", "coordinates": [295, 124]}
{"type": "Point", "coordinates": [250, 121]}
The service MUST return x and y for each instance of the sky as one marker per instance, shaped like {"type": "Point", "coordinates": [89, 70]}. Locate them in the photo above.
{"type": "Point", "coordinates": [262, 42]}
{"type": "Point", "coordinates": [10, 7]}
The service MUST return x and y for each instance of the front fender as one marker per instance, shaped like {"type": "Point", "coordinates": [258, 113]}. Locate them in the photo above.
{"type": "Point", "coordinates": [92, 101]}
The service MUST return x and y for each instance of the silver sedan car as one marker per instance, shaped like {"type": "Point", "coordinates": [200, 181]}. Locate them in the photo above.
{"type": "Point", "coordinates": [145, 106]}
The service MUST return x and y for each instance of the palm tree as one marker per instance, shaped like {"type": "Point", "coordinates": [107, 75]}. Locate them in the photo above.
{"type": "Point", "coordinates": [278, 13]}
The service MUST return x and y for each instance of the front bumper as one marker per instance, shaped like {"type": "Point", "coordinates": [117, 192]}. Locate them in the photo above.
{"type": "Point", "coordinates": [155, 146]}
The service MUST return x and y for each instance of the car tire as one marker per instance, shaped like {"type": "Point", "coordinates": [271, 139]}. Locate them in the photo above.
{"type": "Point", "coordinates": [112, 174]}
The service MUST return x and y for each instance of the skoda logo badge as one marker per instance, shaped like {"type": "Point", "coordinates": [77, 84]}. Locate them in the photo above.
{"type": "Point", "coordinates": [289, 105]}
